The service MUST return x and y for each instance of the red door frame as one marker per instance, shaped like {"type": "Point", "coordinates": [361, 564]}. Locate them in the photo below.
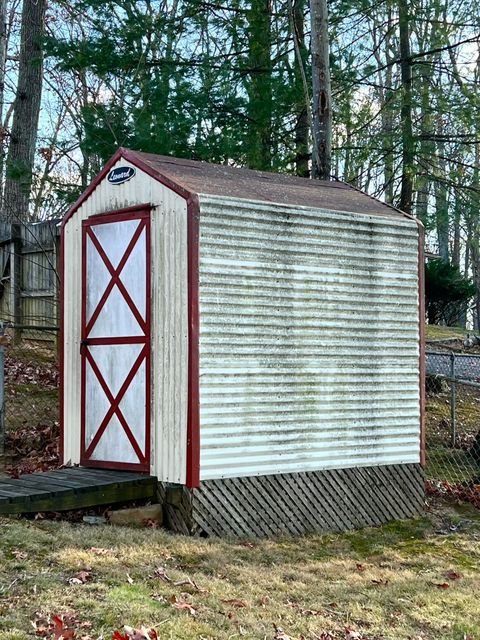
{"type": "Point", "coordinates": [141, 213]}
{"type": "Point", "coordinates": [193, 216]}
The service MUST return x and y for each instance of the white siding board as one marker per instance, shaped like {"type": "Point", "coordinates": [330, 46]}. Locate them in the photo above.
{"type": "Point", "coordinates": [309, 340]}
{"type": "Point", "coordinates": [169, 318]}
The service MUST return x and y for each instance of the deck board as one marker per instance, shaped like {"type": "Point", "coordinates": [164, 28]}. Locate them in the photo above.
{"type": "Point", "coordinates": [72, 488]}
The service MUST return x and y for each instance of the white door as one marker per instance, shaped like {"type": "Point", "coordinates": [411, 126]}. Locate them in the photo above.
{"type": "Point", "coordinates": [115, 343]}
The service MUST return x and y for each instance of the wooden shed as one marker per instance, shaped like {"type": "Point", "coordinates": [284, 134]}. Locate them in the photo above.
{"type": "Point", "coordinates": [252, 340]}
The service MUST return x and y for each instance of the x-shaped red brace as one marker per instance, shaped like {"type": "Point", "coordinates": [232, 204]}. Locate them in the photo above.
{"type": "Point", "coordinates": [115, 278]}
{"type": "Point", "coordinates": [115, 400]}
{"type": "Point", "coordinates": [115, 404]}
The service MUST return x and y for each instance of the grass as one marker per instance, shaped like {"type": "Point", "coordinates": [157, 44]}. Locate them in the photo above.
{"type": "Point", "coordinates": [436, 332]}
{"type": "Point", "coordinates": [445, 462]}
{"type": "Point", "coordinates": [380, 583]}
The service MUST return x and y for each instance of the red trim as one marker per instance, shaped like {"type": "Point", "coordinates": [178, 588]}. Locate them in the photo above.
{"type": "Point", "coordinates": [115, 403]}
{"type": "Point", "coordinates": [421, 306]}
{"type": "Point", "coordinates": [112, 216]}
{"type": "Point", "coordinates": [193, 212]}
{"type": "Point", "coordinates": [61, 443]}
{"type": "Point", "coordinates": [117, 466]}
{"type": "Point", "coordinates": [133, 158]}
{"type": "Point", "coordinates": [143, 215]}
{"type": "Point", "coordinates": [115, 277]}
{"type": "Point", "coordinates": [148, 357]}
{"type": "Point", "coordinates": [92, 186]}
{"type": "Point", "coordinates": [193, 412]}
{"type": "Point", "coordinates": [119, 340]}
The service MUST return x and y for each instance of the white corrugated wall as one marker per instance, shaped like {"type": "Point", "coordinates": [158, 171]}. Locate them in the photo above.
{"type": "Point", "coordinates": [309, 340]}
{"type": "Point", "coordinates": [169, 318]}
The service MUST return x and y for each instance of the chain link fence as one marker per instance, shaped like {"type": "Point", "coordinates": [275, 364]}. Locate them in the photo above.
{"type": "Point", "coordinates": [29, 410]}
{"type": "Point", "coordinates": [453, 424]}
{"type": "Point", "coordinates": [29, 380]}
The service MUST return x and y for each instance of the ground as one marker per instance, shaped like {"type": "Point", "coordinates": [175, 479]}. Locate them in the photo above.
{"type": "Point", "coordinates": [416, 579]}
{"type": "Point", "coordinates": [437, 332]}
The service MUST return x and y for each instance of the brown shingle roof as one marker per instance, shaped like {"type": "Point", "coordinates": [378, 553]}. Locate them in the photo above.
{"type": "Point", "coordinates": [215, 179]}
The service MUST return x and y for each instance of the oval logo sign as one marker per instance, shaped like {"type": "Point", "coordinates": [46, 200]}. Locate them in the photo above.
{"type": "Point", "coordinates": [120, 174]}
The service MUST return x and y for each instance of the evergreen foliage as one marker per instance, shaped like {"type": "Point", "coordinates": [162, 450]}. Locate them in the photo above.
{"type": "Point", "coordinates": [447, 292]}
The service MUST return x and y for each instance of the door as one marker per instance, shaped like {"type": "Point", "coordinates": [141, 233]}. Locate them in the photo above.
{"type": "Point", "coordinates": [115, 341]}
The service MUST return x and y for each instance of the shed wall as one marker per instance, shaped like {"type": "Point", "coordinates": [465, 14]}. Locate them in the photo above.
{"type": "Point", "coordinates": [169, 318]}
{"type": "Point", "coordinates": [309, 339]}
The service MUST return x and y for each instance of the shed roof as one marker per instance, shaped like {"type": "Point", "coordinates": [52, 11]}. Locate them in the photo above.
{"type": "Point", "coordinates": [214, 179]}
{"type": "Point", "coordinates": [194, 177]}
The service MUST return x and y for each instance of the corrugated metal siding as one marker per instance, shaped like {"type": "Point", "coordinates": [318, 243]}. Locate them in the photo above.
{"type": "Point", "coordinates": [309, 339]}
{"type": "Point", "coordinates": [169, 318]}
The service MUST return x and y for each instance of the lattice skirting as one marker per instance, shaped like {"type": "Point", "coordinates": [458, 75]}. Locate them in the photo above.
{"type": "Point", "coordinates": [296, 503]}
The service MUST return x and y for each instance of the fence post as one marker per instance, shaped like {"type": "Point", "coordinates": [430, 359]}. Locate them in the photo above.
{"type": "Point", "coordinates": [2, 400]}
{"type": "Point", "coordinates": [453, 400]}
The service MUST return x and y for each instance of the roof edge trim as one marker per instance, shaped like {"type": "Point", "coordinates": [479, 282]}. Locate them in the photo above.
{"type": "Point", "coordinates": [133, 158]}
{"type": "Point", "coordinates": [400, 219]}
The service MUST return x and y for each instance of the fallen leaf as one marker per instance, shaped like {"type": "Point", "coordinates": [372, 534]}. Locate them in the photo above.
{"type": "Point", "coordinates": [136, 634]}
{"type": "Point", "coordinates": [60, 630]}
{"type": "Point", "coordinates": [234, 602]}
{"type": "Point", "coordinates": [280, 634]}
{"type": "Point", "coordinates": [441, 585]}
{"type": "Point", "coordinates": [351, 634]}
{"type": "Point", "coordinates": [80, 578]}
{"type": "Point", "coordinates": [380, 582]}
{"type": "Point", "coordinates": [185, 606]}
{"type": "Point", "coordinates": [20, 555]}
{"type": "Point", "coordinates": [149, 523]}
{"type": "Point", "coordinates": [263, 600]}
{"type": "Point", "coordinates": [453, 575]}
{"type": "Point", "coordinates": [129, 579]}
{"type": "Point", "coordinates": [360, 567]}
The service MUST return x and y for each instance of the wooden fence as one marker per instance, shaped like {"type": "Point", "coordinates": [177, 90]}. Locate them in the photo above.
{"type": "Point", "coordinates": [29, 288]}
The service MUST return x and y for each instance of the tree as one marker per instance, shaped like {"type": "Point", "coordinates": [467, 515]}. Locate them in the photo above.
{"type": "Point", "coordinates": [446, 292]}
{"type": "Point", "coordinates": [408, 148]}
{"type": "Point", "coordinates": [322, 93]}
{"type": "Point", "coordinates": [259, 85]}
{"type": "Point", "coordinates": [26, 110]}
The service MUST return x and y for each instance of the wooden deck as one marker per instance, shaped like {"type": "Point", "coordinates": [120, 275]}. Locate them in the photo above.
{"type": "Point", "coordinates": [72, 488]}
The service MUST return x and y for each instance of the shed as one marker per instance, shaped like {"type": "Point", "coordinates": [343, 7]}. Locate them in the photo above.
{"type": "Point", "coordinates": [252, 340]}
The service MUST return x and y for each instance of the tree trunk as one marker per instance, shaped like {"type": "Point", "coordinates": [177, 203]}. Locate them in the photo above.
{"type": "Point", "coordinates": [3, 58]}
{"type": "Point", "coordinates": [23, 136]}
{"type": "Point", "coordinates": [259, 139]}
{"type": "Point", "coordinates": [322, 94]}
{"type": "Point", "coordinates": [408, 148]}
{"type": "Point", "coordinates": [382, 43]}
{"type": "Point", "coordinates": [457, 217]}
{"type": "Point", "coordinates": [301, 126]}
{"type": "Point", "coordinates": [426, 148]}
{"type": "Point", "coordinates": [441, 199]}
{"type": "Point", "coordinates": [474, 245]}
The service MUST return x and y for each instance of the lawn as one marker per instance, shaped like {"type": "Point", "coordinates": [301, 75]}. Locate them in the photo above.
{"type": "Point", "coordinates": [415, 580]}
{"type": "Point", "coordinates": [437, 332]}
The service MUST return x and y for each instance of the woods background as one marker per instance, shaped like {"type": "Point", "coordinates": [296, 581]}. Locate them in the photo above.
{"type": "Point", "coordinates": [231, 82]}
